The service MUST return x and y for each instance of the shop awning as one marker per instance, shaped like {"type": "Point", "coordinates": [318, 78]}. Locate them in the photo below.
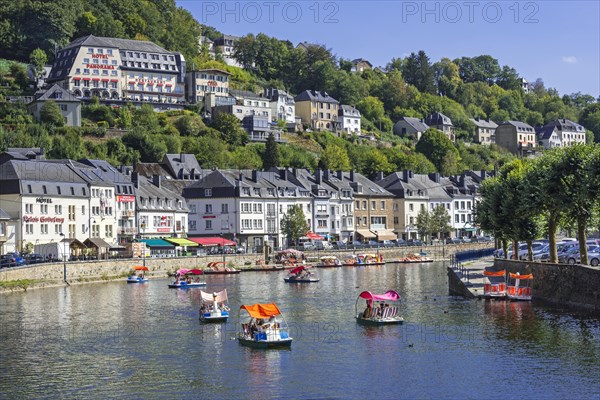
{"type": "Point", "coordinates": [366, 234]}
{"type": "Point", "coordinates": [213, 241]}
{"type": "Point", "coordinates": [314, 236]}
{"type": "Point", "coordinates": [155, 243]}
{"type": "Point", "coordinates": [97, 243]}
{"type": "Point", "coordinates": [74, 243]}
{"type": "Point", "coordinates": [386, 234]}
{"type": "Point", "coordinates": [182, 242]}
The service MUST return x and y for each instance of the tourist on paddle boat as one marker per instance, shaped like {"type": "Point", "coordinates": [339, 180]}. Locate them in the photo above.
{"type": "Point", "coordinates": [385, 314]}
{"type": "Point", "coordinates": [187, 278]}
{"type": "Point", "coordinates": [214, 307]}
{"type": "Point", "coordinates": [137, 275]}
{"type": "Point", "coordinates": [264, 335]}
{"type": "Point", "coordinates": [301, 274]}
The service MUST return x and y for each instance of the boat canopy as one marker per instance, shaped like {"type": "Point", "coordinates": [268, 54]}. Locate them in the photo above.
{"type": "Point", "coordinates": [209, 297]}
{"type": "Point", "coordinates": [262, 310]}
{"type": "Point", "coordinates": [390, 295]}
{"type": "Point", "coordinates": [184, 271]}
{"type": "Point", "coordinates": [517, 276]}
{"type": "Point", "coordinates": [297, 270]}
{"type": "Point", "coordinates": [292, 252]}
{"type": "Point", "coordinates": [329, 258]}
{"type": "Point", "coordinates": [140, 268]}
{"type": "Point", "coordinates": [494, 273]}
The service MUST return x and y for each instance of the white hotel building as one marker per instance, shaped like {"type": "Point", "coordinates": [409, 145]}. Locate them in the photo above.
{"type": "Point", "coordinates": [119, 69]}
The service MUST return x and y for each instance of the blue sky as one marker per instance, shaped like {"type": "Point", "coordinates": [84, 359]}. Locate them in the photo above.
{"type": "Point", "coordinates": [558, 41]}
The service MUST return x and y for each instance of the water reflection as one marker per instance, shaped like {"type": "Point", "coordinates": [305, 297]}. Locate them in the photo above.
{"type": "Point", "coordinates": [146, 341]}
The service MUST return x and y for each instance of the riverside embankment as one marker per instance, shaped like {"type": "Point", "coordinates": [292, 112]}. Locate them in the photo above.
{"type": "Point", "coordinates": [562, 285]}
{"type": "Point", "coordinates": [79, 272]}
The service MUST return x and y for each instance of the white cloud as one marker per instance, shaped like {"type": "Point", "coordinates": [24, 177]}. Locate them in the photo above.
{"type": "Point", "coordinates": [569, 59]}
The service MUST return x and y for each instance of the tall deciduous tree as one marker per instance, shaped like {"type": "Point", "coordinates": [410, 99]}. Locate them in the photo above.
{"type": "Point", "coordinates": [294, 225]}
{"type": "Point", "coordinates": [440, 221]}
{"type": "Point", "coordinates": [335, 158]}
{"type": "Point", "coordinates": [38, 60]}
{"type": "Point", "coordinates": [271, 154]}
{"type": "Point", "coordinates": [436, 146]}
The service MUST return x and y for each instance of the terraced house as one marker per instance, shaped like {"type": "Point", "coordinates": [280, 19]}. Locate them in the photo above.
{"type": "Point", "coordinates": [318, 110]}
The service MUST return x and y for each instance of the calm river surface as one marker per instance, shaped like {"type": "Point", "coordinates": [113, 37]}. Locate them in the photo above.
{"type": "Point", "coordinates": [114, 340]}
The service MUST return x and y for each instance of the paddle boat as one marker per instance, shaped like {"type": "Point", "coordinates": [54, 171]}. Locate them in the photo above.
{"type": "Point", "coordinates": [329, 262]}
{"type": "Point", "coordinates": [415, 258]}
{"type": "Point", "coordinates": [137, 275]}
{"type": "Point", "coordinates": [385, 314]}
{"type": "Point", "coordinates": [219, 268]}
{"type": "Point", "coordinates": [289, 257]}
{"type": "Point", "coordinates": [301, 274]}
{"type": "Point", "coordinates": [187, 278]}
{"type": "Point", "coordinates": [519, 287]}
{"type": "Point", "coordinates": [496, 288]}
{"type": "Point", "coordinates": [214, 307]}
{"type": "Point", "coordinates": [264, 330]}
{"type": "Point", "coordinates": [369, 259]}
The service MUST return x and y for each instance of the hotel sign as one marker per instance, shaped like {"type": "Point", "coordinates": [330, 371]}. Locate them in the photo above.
{"type": "Point", "coordinates": [125, 199]}
{"type": "Point", "coordinates": [99, 66]}
{"type": "Point", "coordinates": [43, 219]}
{"type": "Point", "coordinates": [43, 200]}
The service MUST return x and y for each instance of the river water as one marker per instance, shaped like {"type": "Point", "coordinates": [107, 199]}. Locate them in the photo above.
{"type": "Point", "coordinates": [114, 340]}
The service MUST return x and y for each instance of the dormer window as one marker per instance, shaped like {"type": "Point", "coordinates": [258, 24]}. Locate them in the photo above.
{"type": "Point", "coordinates": [207, 192]}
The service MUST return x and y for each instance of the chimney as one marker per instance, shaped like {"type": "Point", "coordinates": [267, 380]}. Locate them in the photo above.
{"type": "Point", "coordinates": [181, 158]}
{"type": "Point", "coordinates": [294, 171]}
{"type": "Point", "coordinates": [255, 175]}
{"type": "Point", "coordinates": [406, 175]}
{"type": "Point", "coordinates": [156, 180]}
{"type": "Point", "coordinates": [241, 177]}
{"type": "Point", "coordinates": [340, 175]}
{"type": "Point", "coordinates": [351, 175]}
{"type": "Point", "coordinates": [482, 174]}
{"type": "Point", "coordinates": [135, 179]}
{"type": "Point", "coordinates": [326, 174]}
{"type": "Point", "coordinates": [435, 177]}
{"type": "Point", "coordinates": [379, 176]}
{"type": "Point", "coordinates": [193, 173]}
{"type": "Point", "coordinates": [318, 175]}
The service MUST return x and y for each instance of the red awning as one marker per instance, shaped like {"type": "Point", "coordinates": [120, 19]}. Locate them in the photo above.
{"type": "Point", "coordinates": [131, 82]}
{"type": "Point", "coordinates": [76, 78]}
{"type": "Point", "coordinates": [314, 236]}
{"type": "Point", "coordinates": [150, 83]}
{"type": "Point", "coordinates": [159, 84]}
{"type": "Point", "coordinates": [95, 79]}
{"type": "Point", "coordinates": [114, 80]}
{"type": "Point", "coordinates": [213, 241]}
{"type": "Point", "coordinates": [104, 79]}
{"type": "Point", "coordinates": [168, 84]}
{"type": "Point", "coordinates": [86, 79]}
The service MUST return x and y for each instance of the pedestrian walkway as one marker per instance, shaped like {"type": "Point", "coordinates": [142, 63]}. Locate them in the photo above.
{"type": "Point", "coordinates": [466, 278]}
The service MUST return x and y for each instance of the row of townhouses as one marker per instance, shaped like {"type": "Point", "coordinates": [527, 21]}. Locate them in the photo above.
{"type": "Point", "coordinates": [91, 205]}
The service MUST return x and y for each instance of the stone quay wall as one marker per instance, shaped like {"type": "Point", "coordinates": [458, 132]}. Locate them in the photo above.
{"type": "Point", "coordinates": [575, 286]}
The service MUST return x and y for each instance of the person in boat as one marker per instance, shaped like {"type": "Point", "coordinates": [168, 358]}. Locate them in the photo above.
{"type": "Point", "coordinates": [368, 311]}
{"type": "Point", "coordinates": [381, 307]}
{"type": "Point", "coordinates": [189, 279]}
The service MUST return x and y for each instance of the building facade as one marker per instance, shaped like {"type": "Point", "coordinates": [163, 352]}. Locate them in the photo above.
{"type": "Point", "coordinates": [442, 123]}
{"type": "Point", "coordinates": [120, 69]}
{"type": "Point", "coordinates": [69, 105]}
{"type": "Point", "coordinates": [204, 81]}
{"type": "Point", "coordinates": [349, 118]}
{"type": "Point", "coordinates": [318, 110]}
{"type": "Point", "coordinates": [283, 106]}
{"type": "Point", "coordinates": [410, 127]}
{"type": "Point", "coordinates": [518, 137]}
{"type": "Point", "coordinates": [485, 131]}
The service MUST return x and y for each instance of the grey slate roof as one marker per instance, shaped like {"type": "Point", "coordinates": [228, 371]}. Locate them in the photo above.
{"type": "Point", "coordinates": [181, 164]}
{"type": "Point", "coordinates": [545, 132]}
{"type": "Point", "coordinates": [122, 44]}
{"type": "Point", "coordinates": [437, 118]}
{"type": "Point", "coordinates": [357, 60]}
{"type": "Point", "coordinates": [348, 111]}
{"type": "Point", "coordinates": [416, 123]}
{"type": "Point", "coordinates": [57, 93]}
{"type": "Point", "coordinates": [314, 95]}
{"type": "Point", "coordinates": [521, 126]}
{"type": "Point", "coordinates": [245, 94]}
{"type": "Point", "coordinates": [567, 125]}
{"type": "Point", "coordinates": [16, 176]}
{"type": "Point", "coordinates": [146, 189]}
{"type": "Point", "coordinates": [482, 123]}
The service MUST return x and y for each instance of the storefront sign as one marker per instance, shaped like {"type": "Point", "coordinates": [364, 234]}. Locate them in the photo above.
{"type": "Point", "coordinates": [43, 219]}
{"type": "Point", "coordinates": [212, 83]}
{"type": "Point", "coordinates": [99, 66]}
{"type": "Point", "coordinates": [105, 56]}
{"type": "Point", "coordinates": [163, 229]}
{"type": "Point", "coordinates": [125, 199]}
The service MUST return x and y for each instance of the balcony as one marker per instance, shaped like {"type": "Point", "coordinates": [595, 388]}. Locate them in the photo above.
{"type": "Point", "coordinates": [127, 214]}
{"type": "Point", "coordinates": [127, 231]}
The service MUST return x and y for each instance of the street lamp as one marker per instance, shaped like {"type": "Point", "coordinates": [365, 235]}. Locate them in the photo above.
{"type": "Point", "coordinates": [143, 248]}
{"type": "Point", "coordinates": [64, 258]}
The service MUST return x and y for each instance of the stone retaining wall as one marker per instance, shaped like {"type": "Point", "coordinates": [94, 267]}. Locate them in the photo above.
{"type": "Point", "coordinates": [560, 284]}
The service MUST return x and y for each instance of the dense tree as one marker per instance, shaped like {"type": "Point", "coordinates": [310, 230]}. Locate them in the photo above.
{"type": "Point", "coordinates": [424, 224]}
{"type": "Point", "coordinates": [271, 154]}
{"type": "Point", "coordinates": [436, 146]}
{"type": "Point", "coordinates": [294, 225]}
{"type": "Point", "coordinates": [230, 128]}
{"type": "Point", "coordinates": [417, 71]}
{"type": "Point", "coordinates": [590, 118]}
{"type": "Point", "coordinates": [50, 114]}
{"type": "Point", "coordinates": [189, 125]}
{"type": "Point", "coordinates": [38, 61]}
{"type": "Point", "coordinates": [440, 221]}
{"type": "Point", "coordinates": [334, 158]}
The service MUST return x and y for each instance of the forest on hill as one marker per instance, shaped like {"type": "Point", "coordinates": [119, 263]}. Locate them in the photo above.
{"type": "Point", "coordinates": [414, 86]}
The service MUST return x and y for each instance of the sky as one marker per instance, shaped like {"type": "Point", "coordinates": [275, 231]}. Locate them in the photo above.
{"type": "Point", "coordinates": [558, 41]}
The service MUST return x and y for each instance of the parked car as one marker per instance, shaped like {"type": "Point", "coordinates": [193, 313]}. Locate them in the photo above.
{"type": "Point", "coordinates": [573, 258]}
{"type": "Point", "coordinates": [387, 243]}
{"type": "Point", "coordinates": [322, 245]}
{"type": "Point", "coordinates": [340, 245]}
{"type": "Point", "coordinates": [524, 254]}
{"type": "Point", "coordinates": [373, 243]}
{"type": "Point", "coordinates": [594, 257]}
{"type": "Point", "coordinates": [414, 242]}
{"type": "Point", "coordinates": [400, 242]}
{"type": "Point", "coordinates": [34, 258]}
{"type": "Point", "coordinates": [466, 239]}
{"type": "Point", "coordinates": [358, 245]}
{"type": "Point", "coordinates": [308, 246]}
{"type": "Point", "coordinates": [453, 241]}
{"type": "Point", "coordinates": [11, 260]}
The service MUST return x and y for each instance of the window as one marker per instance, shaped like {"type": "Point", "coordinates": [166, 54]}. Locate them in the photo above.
{"type": "Point", "coordinates": [82, 210]}
{"type": "Point", "coordinates": [44, 208]}
{"type": "Point", "coordinates": [57, 209]}
{"type": "Point", "coordinates": [456, 218]}
{"type": "Point", "coordinates": [44, 189]}
{"type": "Point", "coordinates": [373, 205]}
{"type": "Point", "coordinates": [95, 230]}
{"type": "Point", "coordinates": [44, 229]}
{"type": "Point", "coordinates": [364, 221]}
{"type": "Point", "coordinates": [207, 192]}
{"type": "Point", "coordinates": [108, 231]}
{"type": "Point", "coordinates": [364, 204]}
{"type": "Point", "coordinates": [29, 228]}
{"type": "Point", "coordinates": [208, 209]}
{"type": "Point", "coordinates": [224, 208]}
{"type": "Point", "coordinates": [192, 209]}
{"type": "Point", "coordinates": [410, 207]}
{"type": "Point", "coordinates": [29, 208]}
{"type": "Point", "coordinates": [57, 229]}
{"type": "Point", "coordinates": [192, 225]}
{"type": "Point", "coordinates": [71, 213]}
